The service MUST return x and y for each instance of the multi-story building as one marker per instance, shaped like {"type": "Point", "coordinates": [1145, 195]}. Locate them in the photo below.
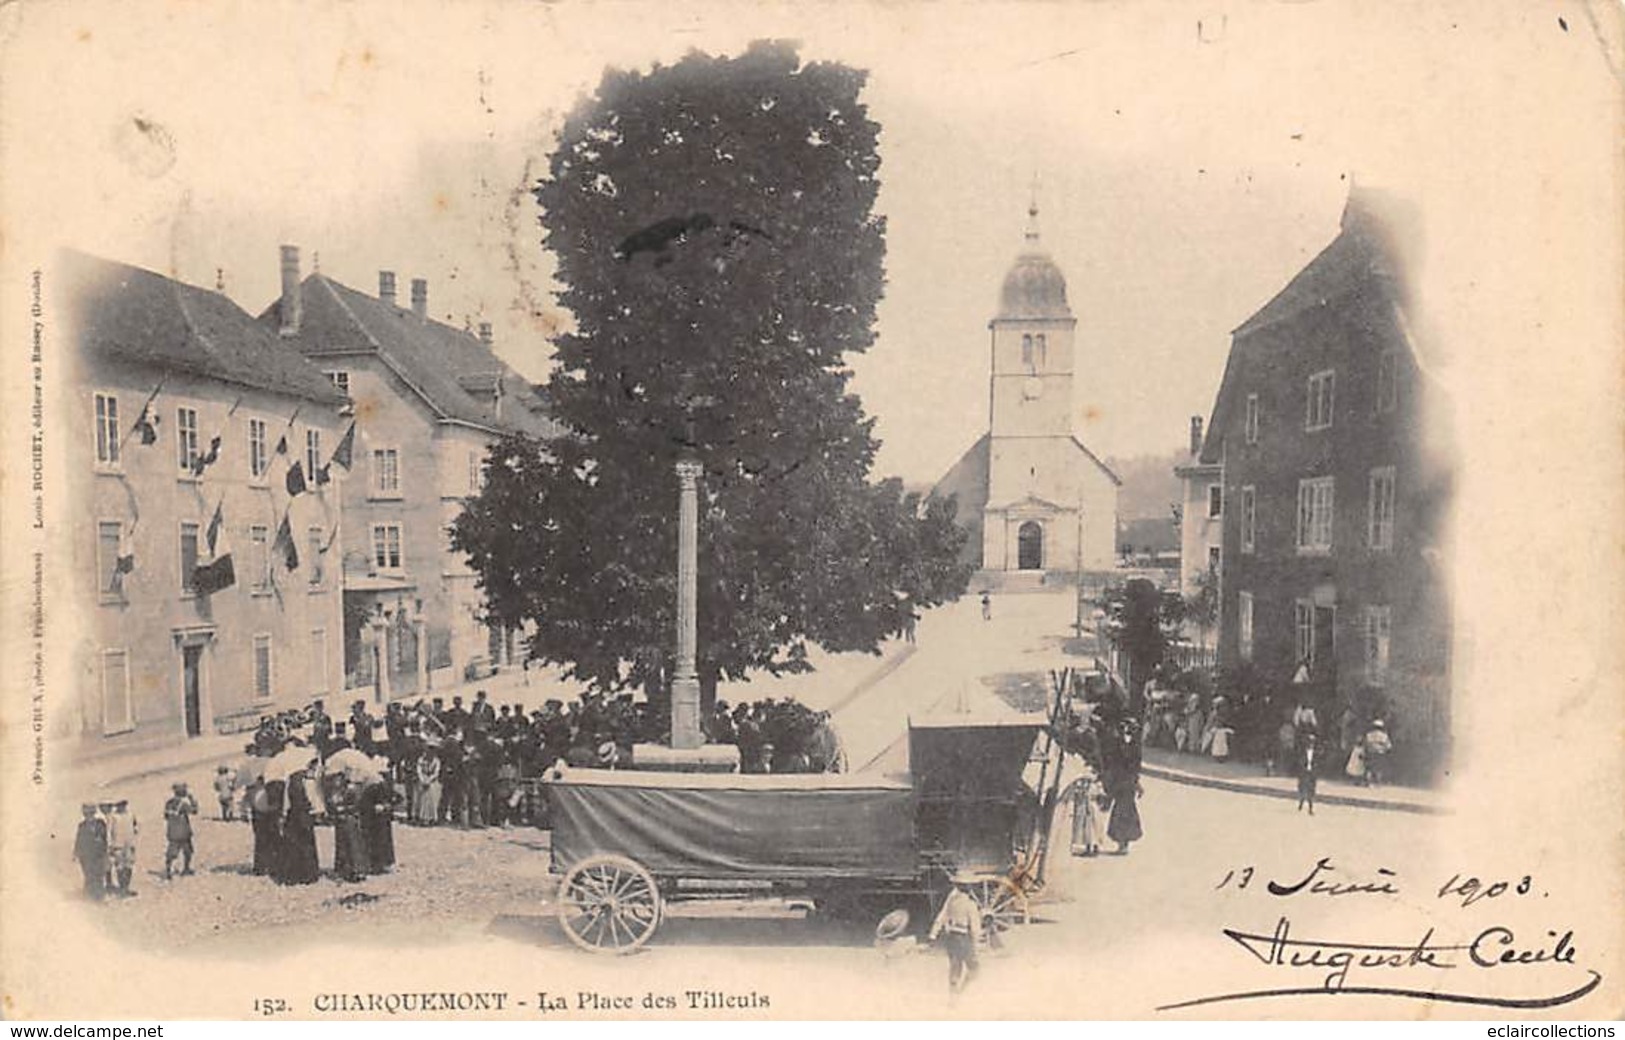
{"type": "Point", "coordinates": [428, 401]}
{"type": "Point", "coordinates": [194, 418]}
{"type": "Point", "coordinates": [1336, 474]}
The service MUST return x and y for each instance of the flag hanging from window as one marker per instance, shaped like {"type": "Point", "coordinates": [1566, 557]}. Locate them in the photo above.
{"type": "Point", "coordinates": [211, 536]}
{"type": "Point", "coordinates": [218, 573]}
{"type": "Point", "coordinates": [146, 427]}
{"type": "Point", "coordinates": [296, 479]}
{"type": "Point", "coordinates": [208, 458]}
{"type": "Point", "coordinates": [284, 544]}
{"type": "Point", "coordinates": [124, 561]}
{"type": "Point", "coordinates": [322, 475]}
{"type": "Point", "coordinates": [342, 454]}
{"type": "Point", "coordinates": [282, 445]}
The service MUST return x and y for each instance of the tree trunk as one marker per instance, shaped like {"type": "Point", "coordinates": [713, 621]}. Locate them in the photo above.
{"type": "Point", "coordinates": [710, 679]}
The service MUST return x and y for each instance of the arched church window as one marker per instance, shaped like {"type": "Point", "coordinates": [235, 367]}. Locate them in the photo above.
{"type": "Point", "coordinates": [1027, 351]}
{"type": "Point", "coordinates": [1038, 350]}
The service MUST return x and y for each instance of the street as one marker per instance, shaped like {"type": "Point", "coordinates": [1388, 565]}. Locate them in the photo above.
{"type": "Point", "coordinates": [489, 890]}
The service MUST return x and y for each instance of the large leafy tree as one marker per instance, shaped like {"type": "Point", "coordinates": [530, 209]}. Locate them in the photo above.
{"type": "Point", "coordinates": [713, 227]}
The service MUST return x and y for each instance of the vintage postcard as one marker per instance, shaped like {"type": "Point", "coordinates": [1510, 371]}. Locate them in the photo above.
{"type": "Point", "coordinates": [760, 511]}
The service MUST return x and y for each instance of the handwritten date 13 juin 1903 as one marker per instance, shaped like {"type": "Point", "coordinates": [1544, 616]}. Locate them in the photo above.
{"type": "Point", "coordinates": [1498, 959]}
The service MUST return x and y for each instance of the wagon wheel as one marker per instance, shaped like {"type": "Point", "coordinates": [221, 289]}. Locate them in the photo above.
{"type": "Point", "coordinates": [609, 904]}
{"type": "Point", "coordinates": [1003, 907]}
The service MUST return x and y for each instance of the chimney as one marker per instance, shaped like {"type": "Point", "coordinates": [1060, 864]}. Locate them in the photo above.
{"type": "Point", "coordinates": [386, 287]}
{"type": "Point", "coordinates": [291, 302]}
{"type": "Point", "coordinates": [1196, 435]}
{"type": "Point", "coordinates": [420, 298]}
{"type": "Point", "coordinates": [485, 333]}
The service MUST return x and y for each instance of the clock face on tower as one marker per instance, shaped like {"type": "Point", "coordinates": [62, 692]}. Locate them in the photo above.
{"type": "Point", "coordinates": [1032, 389]}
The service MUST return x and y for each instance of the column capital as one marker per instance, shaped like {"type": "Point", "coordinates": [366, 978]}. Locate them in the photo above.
{"type": "Point", "coordinates": [688, 473]}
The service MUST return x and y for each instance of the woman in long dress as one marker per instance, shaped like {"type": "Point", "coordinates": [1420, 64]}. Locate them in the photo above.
{"type": "Point", "coordinates": [267, 805]}
{"type": "Point", "coordinates": [349, 846]}
{"type": "Point", "coordinates": [299, 863]}
{"type": "Point", "coordinates": [1123, 787]}
{"type": "Point", "coordinates": [428, 803]}
{"type": "Point", "coordinates": [377, 806]}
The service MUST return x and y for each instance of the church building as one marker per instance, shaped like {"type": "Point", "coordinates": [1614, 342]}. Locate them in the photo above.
{"type": "Point", "coordinates": [1033, 496]}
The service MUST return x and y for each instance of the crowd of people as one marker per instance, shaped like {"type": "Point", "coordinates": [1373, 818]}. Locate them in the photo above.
{"type": "Point", "coordinates": [1274, 729]}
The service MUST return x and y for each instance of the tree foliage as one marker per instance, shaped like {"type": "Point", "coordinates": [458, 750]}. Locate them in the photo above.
{"type": "Point", "coordinates": [713, 227]}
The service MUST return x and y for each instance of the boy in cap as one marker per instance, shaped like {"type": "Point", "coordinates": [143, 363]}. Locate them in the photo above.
{"type": "Point", "coordinates": [178, 813]}
{"type": "Point", "coordinates": [90, 849]}
{"type": "Point", "coordinates": [960, 923]}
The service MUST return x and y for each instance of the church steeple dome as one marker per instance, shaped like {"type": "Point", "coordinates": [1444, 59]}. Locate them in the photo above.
{"type": "Point", "coordinates": [1035, 286]}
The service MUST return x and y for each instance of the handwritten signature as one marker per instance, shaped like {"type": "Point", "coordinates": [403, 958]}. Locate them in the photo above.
{"type": "Point", "coordinates": [1494, 948]}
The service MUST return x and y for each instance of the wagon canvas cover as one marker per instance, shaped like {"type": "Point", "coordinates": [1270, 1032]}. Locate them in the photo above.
{"type": "Point", "coordinates": [750, 827]}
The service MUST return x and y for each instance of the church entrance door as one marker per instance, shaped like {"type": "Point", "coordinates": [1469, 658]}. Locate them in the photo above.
{"type": "Point", "coordinates": [1030, 546]}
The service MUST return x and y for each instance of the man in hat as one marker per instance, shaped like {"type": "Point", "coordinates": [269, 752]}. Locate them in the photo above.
{"type": "Point", "coordinates": [121, 832]}
{"type": "Point", "coordinates": [482, 716]}
{"type": "Point", "coordinates": [959, 922]}
{"type": "Point", "coordinates": [178, 813]}
{"type": "Point", "coordinates": [90, 849]}
{"type": "Point", "coordinates": [361, 729]}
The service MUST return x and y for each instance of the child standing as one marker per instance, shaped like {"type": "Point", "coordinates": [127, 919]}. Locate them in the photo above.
{"type": "Point", "coordinates": [1308, 770]}
{"type": "Point", "coordinates": [225, 790]}
{"type": "Point", "coordinates": [178, 813]}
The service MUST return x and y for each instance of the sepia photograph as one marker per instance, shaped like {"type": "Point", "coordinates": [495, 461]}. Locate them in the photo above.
{"type": "Point", "coordinates": [728, 511]}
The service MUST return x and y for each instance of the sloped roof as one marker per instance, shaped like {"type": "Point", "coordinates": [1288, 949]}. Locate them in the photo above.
{"type": "Point", "coordinates": [455, 374]}
{"type": "Point", "coordinates": [133, 316]}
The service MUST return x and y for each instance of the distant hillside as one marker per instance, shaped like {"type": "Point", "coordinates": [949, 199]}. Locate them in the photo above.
{"type": "Point", "coordinates": [1149, 486]}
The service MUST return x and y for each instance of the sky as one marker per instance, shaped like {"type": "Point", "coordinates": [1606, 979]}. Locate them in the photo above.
{"type": "Point", "coordinates": [1189, 158]}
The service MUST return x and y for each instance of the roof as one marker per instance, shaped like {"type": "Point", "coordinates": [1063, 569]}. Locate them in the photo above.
{"type": "Point", "coordinates": [1035, 286]}
{"type": "Point", "coordinates": [1096, 460]}
{"type": "Point", "coordinates": [1365, 256]}
{"type": "Point", "coordinates": [456, 375]}
{"type": "Point", "coordinates": [133, 316]}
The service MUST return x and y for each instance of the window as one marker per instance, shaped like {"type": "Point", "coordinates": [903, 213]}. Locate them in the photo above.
{"type": "Point", "coordinates": [1027, 352]}
{"type": "Point", "coordinates": [109, 580]}
{"type": "Point", "coordinates": [1387, 381]}
{"type": "Point", "coordinates": [1318, 415]}
{"type": "Point", "coordinates": [1378, 623]}
{"type": "Point", "coordinates": [189, 555]}
{"type": "Point", "coordinates": [1213, 557]}
{"type": "Point", "coordinates": [386, 471]}
{"type": "Point", "coordinates": [1303, 618]}
{"type": "Point", "coordinates": [258, 460]}
{"type": "Point", "coordinates": [259, 558]}
{"type": "Point", "coordinates": [313, 455]}
{"type": "Point", "coordinates": [186, 438]}
{"type": "Point", "coordinates": [262, 667]}
{"type": "Point", "coordinates": [315, 537]}
{"type": "Point", "coordinates": [1380, 510]}
{"type": "Point", "coordinates": [386, 546]}
{"type": "Point", "coordinates": [1252, 419]}
{"type": "Point", "coordinates": [1040, 348]}
{"type": "Point", "coordinates": [476, 473]}
{"type": "Point", "coordinates": [1215, 500]}
{"type": "Point", "coordinates": [1315, 515]}
{"type": "Point", "coordinates": [107, 445]}
{"type": "Point", "coordinates": [116, 714]}
{"type": "Point", "coordinates": [318, 657]}
{"type": "Point", "coordinates": [1244, 625]}
{"type": "Point", "coordinates": [340, 381]}
{"type": "Point", "coordinates": [1249, 519]}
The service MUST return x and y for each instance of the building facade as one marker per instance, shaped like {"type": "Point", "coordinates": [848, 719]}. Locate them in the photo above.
{"type": "Point", "coordinates": [428, 400]}
{"type": "Point", "coordinates": [1201, 515]}
{"type": "Point", "coordinates": [1336, 480]}
{"type": "Point", "coordinates": [1034, 496]}
{"type": "Point", "coordinates": [194, 418]}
